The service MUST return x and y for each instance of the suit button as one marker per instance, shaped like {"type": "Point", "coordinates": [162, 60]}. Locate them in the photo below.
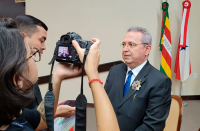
{"type": "Point", "coordinates": [118, 113]}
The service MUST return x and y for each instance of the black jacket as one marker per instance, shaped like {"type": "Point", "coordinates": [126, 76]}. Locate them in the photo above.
{"type": "Point", "coordinates": [38, 97]}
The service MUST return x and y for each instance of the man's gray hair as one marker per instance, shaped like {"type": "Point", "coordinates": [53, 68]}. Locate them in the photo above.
{"type": "Point", "coordinates": [146, 37]}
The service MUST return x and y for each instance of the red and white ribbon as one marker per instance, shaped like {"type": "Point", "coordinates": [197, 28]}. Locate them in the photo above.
{"type": "Point", "coordinates": [184, 25]}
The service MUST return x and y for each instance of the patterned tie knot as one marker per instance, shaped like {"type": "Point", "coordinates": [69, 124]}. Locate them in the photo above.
{"type": "Point", "coordinates": [130, 73]}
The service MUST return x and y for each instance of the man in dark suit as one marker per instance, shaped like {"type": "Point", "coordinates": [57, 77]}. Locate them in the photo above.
{"type": "Point", "coordinates": [64, 54]}
{"type": "Point", "coordinates": [139, 93]}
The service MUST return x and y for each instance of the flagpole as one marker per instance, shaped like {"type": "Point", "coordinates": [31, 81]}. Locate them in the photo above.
{"type": "Point", "coordinates": [184, 103]}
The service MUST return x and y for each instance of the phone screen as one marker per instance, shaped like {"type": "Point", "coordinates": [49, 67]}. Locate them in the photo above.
{"type": "Point", "coordinates": [71, 103]}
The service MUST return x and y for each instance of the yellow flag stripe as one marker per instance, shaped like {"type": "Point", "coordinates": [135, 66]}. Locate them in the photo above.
{"type": "Point", "coordinates": [166, 67]}
{"type": "Point", "coordinates": [167, 23]}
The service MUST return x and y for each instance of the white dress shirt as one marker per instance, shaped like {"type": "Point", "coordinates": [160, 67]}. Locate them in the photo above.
{"type": "Point", "coordinates": [135, 71]}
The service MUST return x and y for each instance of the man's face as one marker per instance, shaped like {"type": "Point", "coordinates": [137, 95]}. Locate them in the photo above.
{"type": "Point", "coordinates": [37, 39]}
{"type": "Point", "coordinates": [64, 51]}
{"type": "Point", "coordinates": [135, 55]}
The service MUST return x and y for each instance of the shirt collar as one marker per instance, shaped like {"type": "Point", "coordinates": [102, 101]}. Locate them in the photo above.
{"type": "Point", "coordinates": [137, 69]}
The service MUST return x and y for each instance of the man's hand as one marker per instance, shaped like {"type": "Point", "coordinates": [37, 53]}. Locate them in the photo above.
{"type": "Point", "coordinates": [65, 111]}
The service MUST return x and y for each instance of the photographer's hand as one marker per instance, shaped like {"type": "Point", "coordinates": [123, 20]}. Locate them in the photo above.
{"type": "Point", "coordinates": [92, 59]}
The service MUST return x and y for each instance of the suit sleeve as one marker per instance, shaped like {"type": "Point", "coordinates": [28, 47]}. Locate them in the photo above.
{"type": "Point", "coordinates": [107, 84]}
{"type": "Point", "coordinates": [158, 107]}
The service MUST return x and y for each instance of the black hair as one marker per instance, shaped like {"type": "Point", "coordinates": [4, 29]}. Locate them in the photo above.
{"type": "Point", "coordinates": [13, 62]}
{"type": "Point", "coordinates": [8, 23]}
{"type": "Point", "coordinates": [28, 24]}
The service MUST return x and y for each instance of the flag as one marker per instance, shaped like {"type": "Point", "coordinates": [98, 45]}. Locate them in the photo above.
{"type": "Point", "coordinates": [165, 42]}
{"type": "Point", "coordinates": [182, 65]}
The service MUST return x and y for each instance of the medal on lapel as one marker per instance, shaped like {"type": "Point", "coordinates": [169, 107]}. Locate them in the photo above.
{"type": "Point", "coordinates": [136, 85]}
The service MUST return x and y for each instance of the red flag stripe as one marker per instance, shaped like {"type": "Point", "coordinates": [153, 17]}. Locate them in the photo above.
{"type": "Point", "coordinates": [166, 56]}
{"type": "Point", "coordinates": [177, 66]}
{"type": "Point", "coordinates": [71, 129]}
{"type": "Point", "coordinates": [177, 57]}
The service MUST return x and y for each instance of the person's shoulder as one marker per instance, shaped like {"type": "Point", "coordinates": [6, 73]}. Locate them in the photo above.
{"type": "Point", "coordinates": [119, 66]}
{"type": "Point", "coordinates": [22, 119]}
{"type": "Point", "coordinates": [157, 74]}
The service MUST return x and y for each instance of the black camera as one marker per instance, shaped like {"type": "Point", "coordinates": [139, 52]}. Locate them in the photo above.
{"type": "Point", "coordinates": [65, 51]}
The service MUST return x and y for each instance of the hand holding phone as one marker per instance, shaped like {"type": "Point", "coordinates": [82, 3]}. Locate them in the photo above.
{"type": "Point", "coordinates": [67, 109]}
{"type": "Point", "coordinates": [71, 103]}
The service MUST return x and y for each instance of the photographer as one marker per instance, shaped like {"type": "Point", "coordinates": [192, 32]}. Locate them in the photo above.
{"type": "Point", "coordinates": [18, 72]}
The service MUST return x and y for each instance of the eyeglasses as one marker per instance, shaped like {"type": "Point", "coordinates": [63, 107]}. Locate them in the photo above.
{"type": "Point", "coordinates": [35, 54]}
{"type": "Point", "coordinates": [131, 45]}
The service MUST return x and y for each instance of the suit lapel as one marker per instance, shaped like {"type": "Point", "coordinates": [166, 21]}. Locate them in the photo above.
{"type": "Point", "coordinates": [121, 81]}
{"type": "Point", "coordinates": [141, 76]}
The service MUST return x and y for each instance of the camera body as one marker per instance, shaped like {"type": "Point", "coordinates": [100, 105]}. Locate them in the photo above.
{"type": "Point", "coordinates": [65, 51]}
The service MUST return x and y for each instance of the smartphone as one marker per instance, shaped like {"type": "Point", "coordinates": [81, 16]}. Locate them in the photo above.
{"type": "Point", "coordinates": [71, 103]}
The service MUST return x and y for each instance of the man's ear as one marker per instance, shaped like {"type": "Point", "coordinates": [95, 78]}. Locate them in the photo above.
{"type": "Point", "coordinates": [26, 37]}
{"type": "Point", "coordinates": [148, 49]}
{"type": "Point", "coordinates": [24, 34]}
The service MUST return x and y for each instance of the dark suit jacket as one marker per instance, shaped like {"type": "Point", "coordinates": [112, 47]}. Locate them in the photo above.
{"type": "Point", "coordinates": [38, 97]}
{"type": "Point", "coordinates": [62, 55]}
{"type": "Point", "coordinates": [145, 109]}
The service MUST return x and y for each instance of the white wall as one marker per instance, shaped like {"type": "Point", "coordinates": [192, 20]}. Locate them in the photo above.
{"type": "Point", "coordinates": [109, 21]}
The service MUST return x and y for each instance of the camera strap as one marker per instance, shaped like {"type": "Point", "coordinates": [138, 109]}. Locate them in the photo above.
{"type": "Point", "coordinates": [81, 105]}
{"type": "Point", "coordinates": [49, 101]}
{"type": "Point", "coordinates": [81, 101]}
